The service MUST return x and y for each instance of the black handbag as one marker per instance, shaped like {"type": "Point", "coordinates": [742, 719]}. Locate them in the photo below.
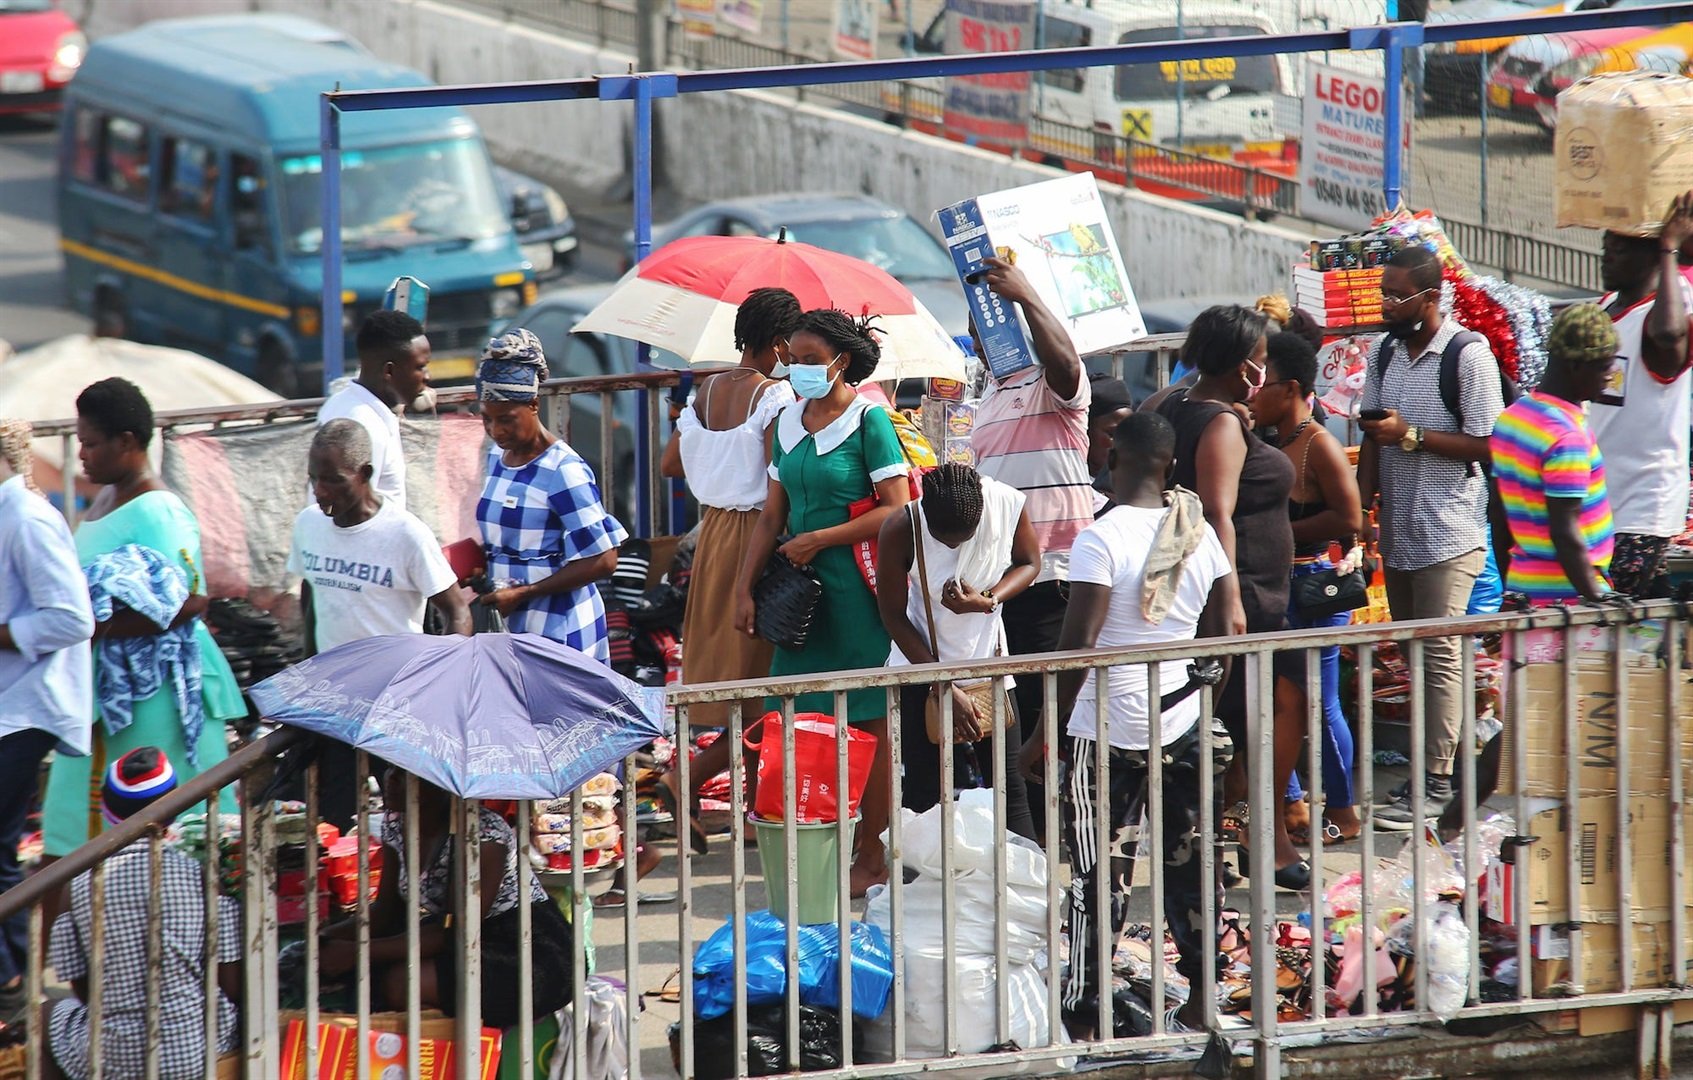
{"type": "Point", "coordinates": [1329, 592]}
{"type": "Point", "coordinates": [785, 601]}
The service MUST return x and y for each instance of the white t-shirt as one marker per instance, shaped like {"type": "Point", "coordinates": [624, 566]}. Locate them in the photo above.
{"type": "Point", "coordinates": [1112, 552]}
{"type": "Point", "coordinates": [387, 460]}
{"type": "Point", "coordinates": [1640, 423]}
{"type": "Point", "coordinates": [371, 579]}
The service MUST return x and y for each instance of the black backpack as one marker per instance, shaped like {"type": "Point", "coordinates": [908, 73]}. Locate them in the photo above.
{"type": "Point", "coordinates": [1451, 394]}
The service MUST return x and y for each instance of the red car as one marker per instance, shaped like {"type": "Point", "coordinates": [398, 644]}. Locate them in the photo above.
{"type": "Point", "coordinates": [40, 49]}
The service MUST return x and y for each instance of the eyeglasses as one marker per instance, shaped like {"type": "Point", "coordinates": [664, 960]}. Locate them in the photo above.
{"type": "Point", "coordinates": [1393, 298]}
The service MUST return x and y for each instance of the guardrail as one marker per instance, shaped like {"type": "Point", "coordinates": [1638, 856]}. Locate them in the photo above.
{"type": "Point", "coordinates": [976, 906]}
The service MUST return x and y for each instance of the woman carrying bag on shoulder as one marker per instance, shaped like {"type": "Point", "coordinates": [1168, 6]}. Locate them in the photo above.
{"type": "Point", "coordinates": [967, 546]}
{"type": "Point", "coordinates": [832, 449]}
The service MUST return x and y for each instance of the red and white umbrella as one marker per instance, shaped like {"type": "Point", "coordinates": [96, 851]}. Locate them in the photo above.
{"type": "Point", "coordinates": [684, 296]}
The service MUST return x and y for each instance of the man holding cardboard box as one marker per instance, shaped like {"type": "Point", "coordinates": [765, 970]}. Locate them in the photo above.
{"type": "Point", "coordinates": [1421, 455]}
{"type": "Point", "coordinates": [1641, 418]}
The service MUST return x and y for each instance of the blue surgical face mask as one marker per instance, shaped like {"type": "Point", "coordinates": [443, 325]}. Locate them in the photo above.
{"type": "Point", "coordinates": [812, 380]}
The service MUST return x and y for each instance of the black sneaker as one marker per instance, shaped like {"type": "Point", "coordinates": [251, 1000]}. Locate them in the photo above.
{"type": "Point", "coordinates": [1396, 816]}
{"type": "Point", "coordinates": [1402, 791]}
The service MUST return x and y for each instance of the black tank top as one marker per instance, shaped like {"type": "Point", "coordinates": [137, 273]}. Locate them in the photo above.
{"type": "Point", "coordinates": [1263, 533]}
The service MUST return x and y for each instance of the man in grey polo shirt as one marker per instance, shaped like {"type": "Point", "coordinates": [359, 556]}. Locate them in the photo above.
{"type": "Point", "coordinates": [1423, 460]}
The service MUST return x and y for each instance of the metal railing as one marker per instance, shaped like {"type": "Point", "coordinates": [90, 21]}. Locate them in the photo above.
{"type": "Point", "coordinates": [1623, 695]}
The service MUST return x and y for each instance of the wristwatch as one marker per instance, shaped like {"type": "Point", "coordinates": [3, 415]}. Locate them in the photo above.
{"type": "Point", "coordinates": [993, 601]}
{"type": "Point", "coordinates": [1413, 440]}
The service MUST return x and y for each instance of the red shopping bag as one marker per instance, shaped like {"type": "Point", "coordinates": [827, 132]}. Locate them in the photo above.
{"type": "Point", "coordinates": [815, 773]}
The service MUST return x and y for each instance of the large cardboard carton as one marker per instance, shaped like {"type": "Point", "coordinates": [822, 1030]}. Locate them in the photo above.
{"type": "Point", "coordinates": [1598, 711]}
{"type": "Point", "coordinates": [1623, 150]}
{"type": "Point", "coordinates": [1651, 949]}
{"type": "Point", "coordinates": [1599, 860]}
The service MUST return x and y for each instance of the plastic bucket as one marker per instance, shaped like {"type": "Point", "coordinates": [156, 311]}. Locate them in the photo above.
{"type": "Point", "coordinates": [818, 862]}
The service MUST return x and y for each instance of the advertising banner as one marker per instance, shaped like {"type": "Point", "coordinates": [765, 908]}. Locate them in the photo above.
{"type": "Point", "coordinates": [855, 29]}
{"type": "Point", "coordinates": [1340, 153]}
{"type": "Point", "coordinates": [990, 107]}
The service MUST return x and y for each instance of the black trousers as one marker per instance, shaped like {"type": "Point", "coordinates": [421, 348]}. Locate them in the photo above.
{"type": "Point", "coordinates": [972, 765]}
{"type": "Point", "coordinates": [1033, 621]}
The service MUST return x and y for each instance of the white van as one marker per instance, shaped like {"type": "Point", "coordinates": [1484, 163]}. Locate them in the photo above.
{"type": "Point", "coordinates": [1222, 107]}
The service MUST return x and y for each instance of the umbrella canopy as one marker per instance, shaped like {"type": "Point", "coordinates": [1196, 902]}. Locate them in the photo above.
{"type": "Point", "coordinates": [684, 296]}
{"type": "Point", "coordinates": [495, 716]}
{"type": "Point", "coordinates": [43, 383]}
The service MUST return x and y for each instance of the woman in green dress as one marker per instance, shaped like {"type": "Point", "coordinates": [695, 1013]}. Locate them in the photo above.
{"type": "Point", "coordinates": [833, 448]}
{"type": "Point", "coordinates": [114, 426]}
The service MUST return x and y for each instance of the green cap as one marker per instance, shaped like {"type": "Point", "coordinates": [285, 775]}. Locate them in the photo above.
{"type": "Point", "coordinates": [1583, 334]}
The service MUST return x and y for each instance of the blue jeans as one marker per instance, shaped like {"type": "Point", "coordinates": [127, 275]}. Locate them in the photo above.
{"type": "Point", "coordinates": [20, 770]}
{"type": "Point", "coordinates": [1337, 749]}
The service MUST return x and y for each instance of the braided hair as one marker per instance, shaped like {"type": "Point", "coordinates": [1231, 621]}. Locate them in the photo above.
{"type": "Point", "coordinates": [952, 498]}
{"type": "Point", "coordinates": [855, 338]}
{"type": "Point", "coordinates": [765, 317]}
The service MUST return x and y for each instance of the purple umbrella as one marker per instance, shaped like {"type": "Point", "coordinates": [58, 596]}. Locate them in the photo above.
{"type": "Point", "coordinates": [495, 716]}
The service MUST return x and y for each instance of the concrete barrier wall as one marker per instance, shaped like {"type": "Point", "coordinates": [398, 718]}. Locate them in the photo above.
{"type": "Point", "coordinates": [747, 143]}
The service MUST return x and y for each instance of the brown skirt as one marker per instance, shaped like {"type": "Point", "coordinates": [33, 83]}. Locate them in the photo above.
{"type": "Point", "coordinates": [712, 649]}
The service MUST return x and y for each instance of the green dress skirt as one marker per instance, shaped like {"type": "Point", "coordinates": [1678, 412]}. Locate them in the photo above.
{"type": "Point", "coordinates": [822, 474]}
{"type": "Point", "coordinates": [71, 810]}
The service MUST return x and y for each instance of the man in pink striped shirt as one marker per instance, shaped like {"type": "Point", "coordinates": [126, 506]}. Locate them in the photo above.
{"type": "Point", "coordinates": [1031, 432]}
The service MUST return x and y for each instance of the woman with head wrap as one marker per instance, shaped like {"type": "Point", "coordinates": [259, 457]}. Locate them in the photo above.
{"type": "Point", "coordinates": [547, 533]}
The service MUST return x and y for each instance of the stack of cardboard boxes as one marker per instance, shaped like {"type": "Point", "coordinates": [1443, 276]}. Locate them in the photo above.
{"type": "Point", "coordinates": [1622, 843]}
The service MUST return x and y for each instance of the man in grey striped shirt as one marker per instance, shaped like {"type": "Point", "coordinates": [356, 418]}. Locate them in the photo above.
{"type": "Point", "coordinates": [1423, 458]}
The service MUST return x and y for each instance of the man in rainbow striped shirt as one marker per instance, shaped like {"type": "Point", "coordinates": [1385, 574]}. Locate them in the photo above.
{"type": "Point", "coordinates": [1550, 473]}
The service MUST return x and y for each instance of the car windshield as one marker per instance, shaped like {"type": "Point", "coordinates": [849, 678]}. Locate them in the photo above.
{"type": "Point", "coordinates": [1235, 74]}
{"type": "Point", "coordinates": [396, 197]}
{"type": "Point", "coordinates": [896, 244]}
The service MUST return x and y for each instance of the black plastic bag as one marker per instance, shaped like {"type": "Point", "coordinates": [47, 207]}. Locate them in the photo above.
{"type": "Point", "coordinates": [767, 1035]}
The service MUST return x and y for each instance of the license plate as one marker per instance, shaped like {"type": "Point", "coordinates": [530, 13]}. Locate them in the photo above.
{"type": "Point", "coordinates": [1499, 97]}
{"type": "Point", "coordinates": [540, 256]}
{"type": "Point", "coordinates": [22, 82]}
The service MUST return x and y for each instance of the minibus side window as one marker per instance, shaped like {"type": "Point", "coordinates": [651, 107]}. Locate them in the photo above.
{"type": "Point", "coordinates": [85, 151]}
{"type": "Point", "coordinates": [190, 183]}
{"type": "Point", "coordinates": [122, 163]}
{"type": "Point", "coordinates": [247, 204]}
{"type": "Point", "coordinates": [1063, 34]}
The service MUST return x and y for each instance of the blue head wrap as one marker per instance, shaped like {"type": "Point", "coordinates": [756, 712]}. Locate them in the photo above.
{"type": "Point", "coordinates": [513, 368]}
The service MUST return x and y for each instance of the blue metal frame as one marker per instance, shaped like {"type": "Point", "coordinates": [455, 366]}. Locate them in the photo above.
{"type": "Point", "coordinates": [644, 88]}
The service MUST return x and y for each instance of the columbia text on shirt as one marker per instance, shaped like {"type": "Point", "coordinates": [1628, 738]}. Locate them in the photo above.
{"type": "Point", "coordinates": [1025, 435]}
{"type": "Point", "coordinates": [369, 579]}
{"type": "Point", "coordinates": [1543, 450]}
{"type": "Point", "coordinates": [1433, 508]}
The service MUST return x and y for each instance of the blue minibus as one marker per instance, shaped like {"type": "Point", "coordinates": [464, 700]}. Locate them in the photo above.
{"type": "Point", "coordinates": [190, 185]}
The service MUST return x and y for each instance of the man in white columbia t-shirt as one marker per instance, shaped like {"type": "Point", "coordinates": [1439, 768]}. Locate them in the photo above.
{"type": "Point", "coordinates": [393, 371]}
{"type": "Point", "coordinates": [368, 567]}
{"type": "Point", "coordinates": [1641, 420]}
{"type": "Point", "coordinates": [1112, 604]}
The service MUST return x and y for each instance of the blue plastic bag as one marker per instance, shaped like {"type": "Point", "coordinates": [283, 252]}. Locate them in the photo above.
{"type": "Point", "coordinates": [766, 971]}
{"type": "Point", "coordinates": [1489, 591]}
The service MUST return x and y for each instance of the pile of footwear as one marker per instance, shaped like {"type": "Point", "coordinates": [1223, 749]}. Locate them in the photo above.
{"type": "Point", "coordinates": [251, 639]}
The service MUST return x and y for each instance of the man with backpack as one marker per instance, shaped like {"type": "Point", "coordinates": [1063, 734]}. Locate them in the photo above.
{"type": "Point", "coordinates": [1431, 395]}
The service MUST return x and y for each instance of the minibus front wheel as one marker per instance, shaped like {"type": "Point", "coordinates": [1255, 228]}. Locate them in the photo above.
{"type": "Point", "coordinates": [276, 369]}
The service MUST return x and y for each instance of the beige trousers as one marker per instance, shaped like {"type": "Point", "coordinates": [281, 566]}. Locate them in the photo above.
{"type": "Point", "coordinates": [1441, 591]}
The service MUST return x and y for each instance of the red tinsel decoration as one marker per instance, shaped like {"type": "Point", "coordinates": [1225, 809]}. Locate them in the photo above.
{"type": "Point", "coordinates": [1486, 316]}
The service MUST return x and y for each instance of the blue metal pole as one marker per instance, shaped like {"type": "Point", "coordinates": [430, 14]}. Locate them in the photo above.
{"type": "Point", "coordinates": [1393, 110]}
{"type": "Point", "coordinates": [334, 341]}
{"type": "Point", "coordinates": [643, 244]}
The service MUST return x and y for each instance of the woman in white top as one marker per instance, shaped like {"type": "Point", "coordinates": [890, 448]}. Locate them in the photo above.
{"type": "Point", "coordinates": [978, 551]}
{"type": "Point", "coordinates": [722, 448]}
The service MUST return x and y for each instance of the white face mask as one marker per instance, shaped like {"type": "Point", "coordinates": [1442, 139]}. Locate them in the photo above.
{"type": "Point", "coordinates": [778, 370]}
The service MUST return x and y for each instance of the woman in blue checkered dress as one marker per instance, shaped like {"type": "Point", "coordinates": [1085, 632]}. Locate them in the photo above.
{"type": "Point", "coordinates": [546, 531]}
